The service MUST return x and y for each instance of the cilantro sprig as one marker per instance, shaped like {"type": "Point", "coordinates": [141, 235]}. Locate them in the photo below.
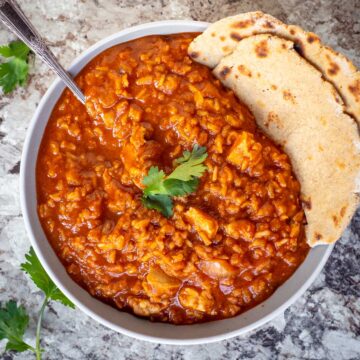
{"type": "Point", "coordinates": [14, 319]}
{"type": "Point", "coordinates": [13, 324]}
{"type": "Point", "coordinates": [38, 275]}
{"type": "Point", "coordinates": [184, 180]}
{"type": "Point", "coordinates": [14, 71]}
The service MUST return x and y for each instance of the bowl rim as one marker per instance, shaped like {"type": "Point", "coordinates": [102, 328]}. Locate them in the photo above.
{"type": "Point", "coordinates": [58, 274]}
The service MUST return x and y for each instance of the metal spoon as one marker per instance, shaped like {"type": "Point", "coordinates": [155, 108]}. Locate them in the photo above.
{"type": "Point", "coordinates": [13, 17]}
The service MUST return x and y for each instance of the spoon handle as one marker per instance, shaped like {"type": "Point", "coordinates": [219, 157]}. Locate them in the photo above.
{"type": "Point", "coordinates": [13, 17]}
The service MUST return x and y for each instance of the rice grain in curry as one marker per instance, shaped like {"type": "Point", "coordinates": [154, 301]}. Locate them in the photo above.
{"type": "Point", "coordinates": [227, 247]}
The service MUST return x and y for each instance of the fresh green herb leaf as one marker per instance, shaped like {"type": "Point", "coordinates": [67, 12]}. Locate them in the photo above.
{"type": "Point", "coordinates": [15, 71]}
{"type": "Point", "coordinates": [155, 175]}
{"type": "Point", "coordinates": [162, 203]}
{"type": "Point", "coordinates": [175, 187]}
{"type": "Point", "coordinates": [14, 320]}
{"type": "Point", "coordinates": [15, 49]}
{"type": "Point", "coordinates": [13, 324]}
{"type": "Point", "coordinates": [184, 180]}
{"type": "Point", "coordinates": [42, 280]}
{"type": "Point", "coordinates": [154, 181]}
{"type": "Point", "coordinates": [38, 275]}
{"type": "Point", "coordinates": [190, 164]}
{"type": "Point", "coordinates": [196, 153]}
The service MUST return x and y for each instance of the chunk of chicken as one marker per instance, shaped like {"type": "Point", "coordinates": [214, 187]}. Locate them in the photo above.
{"type": "Point", "coordinates": [245, 152]}
{"type": "Point", "coordinates": [240, 229]}
{"type": "Point", "coordinates": [144, 307]}
{"type": "Point", "coordinates": [216, 269]}
{"type": "Point", "coordinates": [205, 225]}
{"type": "Point", "coordinates": [196, 299]}
{"type": "Point", "coordinates": [160, 282]}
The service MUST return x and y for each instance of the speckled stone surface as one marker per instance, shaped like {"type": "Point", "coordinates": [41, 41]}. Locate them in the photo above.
{"type": "Point", "coordinates": [322, 324]}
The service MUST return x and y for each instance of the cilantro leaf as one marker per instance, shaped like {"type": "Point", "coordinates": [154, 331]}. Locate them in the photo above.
{"type": "Point", "coordinates": [14, 320]}
{"type": "Point", "coordinates": [184, 180]}
{"type": "Point", "coordinates": [154, 181]}
{"type": "Point", "coordinates": [16, 48]}
{"type": "Point", "coordinates": [13, 324]}
{"type": "Point", "coordinates": [190, 164]}
{"type": "Point", "coordinates": [196, 153]}
{"type": "Point", "coordinates": [154, 175]}
{"type": "Point", "coordinates": [162, 203]}
{"type": "Point", "coordinates": [175, 187]}
{"type": "Point", "coordinates": [12, 73]}
{"type": "Point", "coordinates": [42, 280]}
{"type": "Point", "coordinates": [15, 71]}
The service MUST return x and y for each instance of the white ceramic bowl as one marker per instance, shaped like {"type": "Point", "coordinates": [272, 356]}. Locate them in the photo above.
{"type": "Point", "coordinates": [120, 321]}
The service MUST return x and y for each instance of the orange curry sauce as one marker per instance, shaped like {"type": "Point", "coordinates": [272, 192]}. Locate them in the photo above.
{"type": "Point", "coordinates": [227, 247]}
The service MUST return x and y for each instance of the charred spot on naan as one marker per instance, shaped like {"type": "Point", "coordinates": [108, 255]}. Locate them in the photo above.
{"type": "Point", "coordinates": [194, 54]}
{"type": "Point", "coordinates": [312, 38]}
{"type": "Point", "coordinates": [355, 90]}
{"type": "Point", "coordinates": [288, 96]}
{"type": "Point", "coordinates": [273, 118]}
{"type": "Point", "coordinates": [343, 211]}
{"type": "Point", "coordinates": [226, 49]}
{"type": "Point", "coordinates": [269, 25]}
{"type": "Point", "coordinates": [235, 36]}
{"type": "Point", "coordinates": [243, 24]}
{"type": "Point", "coordinates": [292, 31]}
{"type": "Point", "coordinates": [244, 70]}
{"type": "Point", "coordinates": [333, 68]}
{"type": "Point", "coordinates": [307, 203]}
{"type": "Point", "coordinates": [261, 49]}
{"type": "Point", "coordinates": [225, 72]}
{"type": "Point", "coordinates": [335, 220]}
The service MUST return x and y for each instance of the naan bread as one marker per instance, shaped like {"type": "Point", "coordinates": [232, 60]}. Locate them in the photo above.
{"type": "Point", "coordinates": [300, 110]}
{"type": "Point", "coordinates": [221, 38]}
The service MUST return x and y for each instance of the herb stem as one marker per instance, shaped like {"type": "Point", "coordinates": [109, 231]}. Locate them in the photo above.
{"type": "Point", "coordinates": [38, 328]}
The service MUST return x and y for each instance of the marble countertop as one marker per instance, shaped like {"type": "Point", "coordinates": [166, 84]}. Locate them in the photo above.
{"type": "Point", "coordinates": [323, 324]}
